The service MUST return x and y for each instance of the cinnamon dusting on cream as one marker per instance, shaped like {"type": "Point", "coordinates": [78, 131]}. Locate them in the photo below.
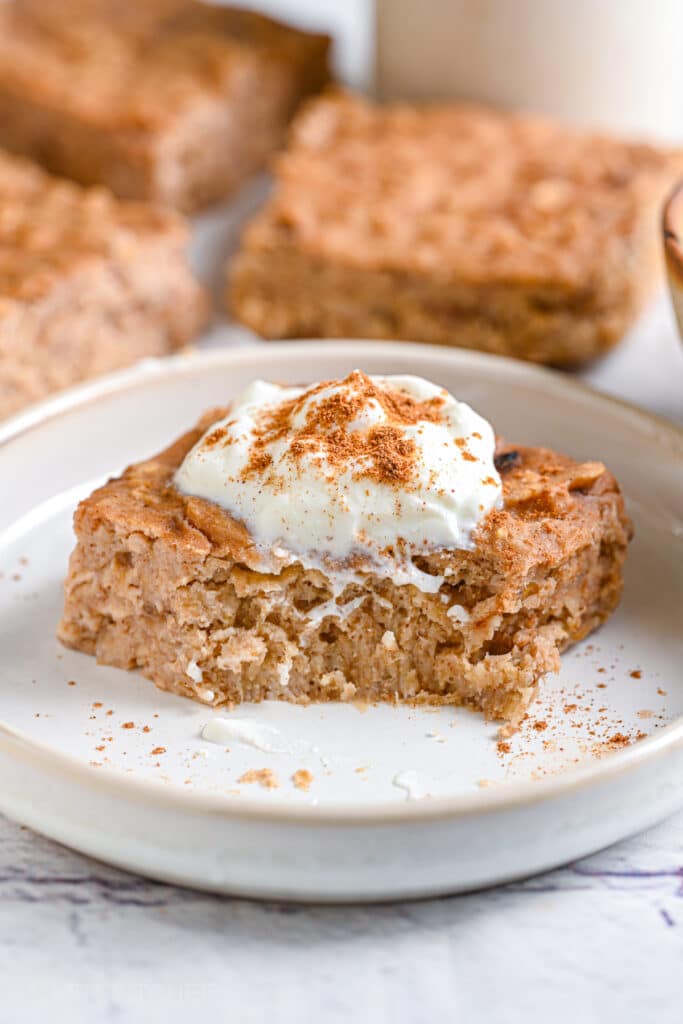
{"type": "Point", "coordinates": [355, 475]}
{"type": "Point", "coordinates": [380, 454]}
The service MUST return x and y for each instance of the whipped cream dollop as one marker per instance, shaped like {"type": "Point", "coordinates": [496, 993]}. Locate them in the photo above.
{"type": "Point", "coordinates": [352, 475]}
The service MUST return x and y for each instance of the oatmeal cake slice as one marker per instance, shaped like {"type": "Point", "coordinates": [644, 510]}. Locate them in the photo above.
{"type": "Point", "coordinates": [457, 225]}
{"type": "Point", "coordinates": [88, 283]}
{"type": "Point", "coordinates": [172, 100]}
{"type": "Point", "coordinates": [174, 585]}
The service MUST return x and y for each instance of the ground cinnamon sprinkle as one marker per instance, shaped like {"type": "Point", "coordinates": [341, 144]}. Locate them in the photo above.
{"type": "Point", "coordinates": [217, 436]}
{"type": "Point", "coordinates": [380, 454]}
{"type": "Point", "coordinates": [636, 674]}
{"type": "Point", "coordinates": [259, 461]}
{"type": "Point", "coordinates": [159, 750]}
{"type": "Point", "coordinates": [619, 739]}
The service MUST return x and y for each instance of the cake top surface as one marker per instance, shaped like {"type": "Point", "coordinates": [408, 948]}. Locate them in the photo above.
{"type": "Point", "coordinates": [552, 507]}
{"type": "Point", "coordinates": [50, 227]}
{"type": "Point", "coordinates": [459, 192]}
{"type": "Point", "coordinates": [356, 474]}
{"type": "Point", "coordinates": [132, 65]}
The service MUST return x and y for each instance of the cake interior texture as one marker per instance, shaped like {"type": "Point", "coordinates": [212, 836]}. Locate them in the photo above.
{"type": "Point", "coordinates": [456, 225]}
{"type": "Point", "coordinates": [173, 586]}
{"type": "Point", "coordinates": [171, 100]}
{"type": "Point", "coordinates": [88, 283]}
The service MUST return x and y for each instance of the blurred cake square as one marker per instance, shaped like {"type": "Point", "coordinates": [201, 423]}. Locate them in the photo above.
{"type": "Point", "coordinates": [457, 225]}
{"type": "Point", "coordinates": [88, 283]}
{"type": "Point", "coordinates": [175, 101]}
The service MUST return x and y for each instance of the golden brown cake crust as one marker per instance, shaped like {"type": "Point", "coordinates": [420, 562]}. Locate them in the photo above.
{"type": "Point", "coordinates": [455, 224]}
{"type": "Point", "coordinates": [144, 85]}
{"type": "Point", "coordinates": [173, 585]}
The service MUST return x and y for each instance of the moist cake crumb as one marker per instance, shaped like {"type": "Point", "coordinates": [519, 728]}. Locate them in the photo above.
{"type": "Point", "coordinates": [263, 776]}
{"type": "Point", "coordinates": [302, 779]}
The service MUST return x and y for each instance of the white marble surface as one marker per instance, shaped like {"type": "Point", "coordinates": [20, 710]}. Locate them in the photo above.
{"type": "Point", "coordinates": [600, 941]}
{"type": "Point", "coordinates": [597, 941]}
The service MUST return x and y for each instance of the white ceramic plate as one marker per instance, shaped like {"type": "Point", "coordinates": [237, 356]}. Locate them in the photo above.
{"type": "Point", "coordinates": [403, 802]}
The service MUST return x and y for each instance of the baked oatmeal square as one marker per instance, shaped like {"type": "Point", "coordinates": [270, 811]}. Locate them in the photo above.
{"type": "Point", "coordinates": [88, 283]}
{"type": "Point", "coordinates": [456, 225]}
{"type": "Point", "coordinates": [174, 101]}
{"type": "Point", "coordinates": [200, 599]}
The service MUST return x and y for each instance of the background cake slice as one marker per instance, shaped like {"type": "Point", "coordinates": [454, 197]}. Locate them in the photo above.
{"type": "Point", "coordinates": [174, 586]}
{"type": "Point", "coordinates": [88, 283]}
{"type": "Point", "coordinates": [171, 100]}
{"type": "Point", "coordinates": [457, 225]}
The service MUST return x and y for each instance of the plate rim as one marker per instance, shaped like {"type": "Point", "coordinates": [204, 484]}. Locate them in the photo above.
{"type": "Point", "coordinates": [525, 792]}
